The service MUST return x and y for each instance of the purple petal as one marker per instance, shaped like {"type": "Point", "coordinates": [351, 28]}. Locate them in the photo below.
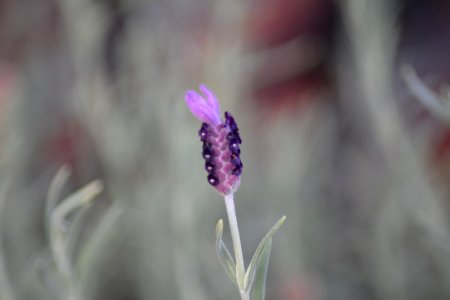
{"type": "Point", "coordinates": [206, 110]}
{"type": "Point", "coordinates": [210, 98]}
{"type": "Point", "coordinates": [200, 108]}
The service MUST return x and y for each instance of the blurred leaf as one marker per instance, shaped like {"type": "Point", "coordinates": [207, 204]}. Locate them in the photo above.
{"type": "Point", "coordinates": [54, 192]}
{"type": "Point", "coordinates": [59, 228]}
{"type": "Point", "coordinates": [259, 288]}
{"type": "Point", "coordinates": [251, 271]}
{"type": "Point", "coordinates": [224, 255]}
{"type": "Point", "coordinates": [78, 199]}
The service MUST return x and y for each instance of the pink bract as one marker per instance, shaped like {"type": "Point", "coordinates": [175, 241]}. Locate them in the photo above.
{"type": "Point", "coordinates": [204, 107]}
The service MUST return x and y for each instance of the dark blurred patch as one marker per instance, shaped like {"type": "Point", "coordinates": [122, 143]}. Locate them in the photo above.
{"type": "Point", "coordinates": [425, 45]}
{"type": "Point", "coordinates": [114, 36]}
{"type": "Point", "coordinates": [295, 38]}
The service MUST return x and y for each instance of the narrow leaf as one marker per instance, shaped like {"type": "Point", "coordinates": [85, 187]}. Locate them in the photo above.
{"type": "Point", "coordinates": [224, 255]}
{"type": "Point", "coordinates": [250, 274]}
{"type": "Point", "coordinates": [259, 285]}
{"type": "Point", "coordinates": [58, 230]}
{"type": "Point", "coordinates": [81, 197]}
{"type": "Point", "coordinates": [54, 193]}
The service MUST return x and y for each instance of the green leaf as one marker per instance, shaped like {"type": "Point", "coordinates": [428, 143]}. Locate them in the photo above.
{"type": "Point", "coordinates": [54, 193]}
{"type": "Point", "coordinates": [259, 285]}
{"type": "Point", "coordinates": [224, 255]}
{"type": "Point", "coordinates": [60, 229]}
{"type": "Point", "coordinates": [80, 198]}
{"type": "Point", "coordinates": [250, 274]}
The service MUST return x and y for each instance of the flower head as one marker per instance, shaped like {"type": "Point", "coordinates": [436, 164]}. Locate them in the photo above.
{"type": "Point", "coordinates": [220, 139]}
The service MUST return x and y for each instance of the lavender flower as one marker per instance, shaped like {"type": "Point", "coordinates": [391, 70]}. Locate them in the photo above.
{"type": "Point", "coordinates": [220, 141]}
{"type": "Point", "coordinates": [221, 152]}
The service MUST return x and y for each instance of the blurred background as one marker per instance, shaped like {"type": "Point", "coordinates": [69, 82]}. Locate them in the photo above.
{"type": "Point", "coordinates": [333, 137]}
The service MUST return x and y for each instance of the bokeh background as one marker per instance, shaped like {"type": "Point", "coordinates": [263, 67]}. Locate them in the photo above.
{"type": "Point", "coordinates": [93, 91]}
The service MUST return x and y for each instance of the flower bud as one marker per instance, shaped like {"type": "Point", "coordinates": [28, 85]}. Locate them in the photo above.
{"type": "Point", "coordinates": [221, 141]}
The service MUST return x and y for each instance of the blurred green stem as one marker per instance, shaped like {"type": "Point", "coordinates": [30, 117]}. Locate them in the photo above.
{"type": "Point", "coordinates": [238, 256]}
{"type": "Point", "coordinates": [6, 289]}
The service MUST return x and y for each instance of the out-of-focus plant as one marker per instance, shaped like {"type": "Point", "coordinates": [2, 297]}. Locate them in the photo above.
{"type": "Point", "coordinates": [64, 221]}
{"type": "Point", "coordinates": [222, 162]}
{"type": "Point", "coordinates": [437, 104]}
{"type": "Point", "coordinates": [62, 232]}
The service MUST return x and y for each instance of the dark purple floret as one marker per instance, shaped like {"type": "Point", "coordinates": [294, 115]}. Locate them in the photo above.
{"type": "Point", "coordinates": [235, 150]}
{"type": "Point", "coordinates": [208, 154]}
{"type": "Point", "coordinates": [234, 136]}
{"type": "Point", "coordinates": [234, 146]}
{"type": "Point", "coordinates": [235, 159]}
{"type": "Point", "coordinates": [206, 144]}
{"type": "Point", "coordinates": [209, 167]}
{"type": "Point", "coordinates": [203, 132]}
{"type": "Point", "coordinates": [237, 169]}
{"type": "Point", "coordinates": [229, 120]}
{"type": "Point", "coordinates": [213, 180]}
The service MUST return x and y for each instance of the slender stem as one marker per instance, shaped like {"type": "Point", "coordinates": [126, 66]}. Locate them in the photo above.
{"type": "Point", "coordinates": [245, 296]}
{"type": "Point", "coordinates": [238, 256]}
{"type": "Point", "coordinates": [6, 290]}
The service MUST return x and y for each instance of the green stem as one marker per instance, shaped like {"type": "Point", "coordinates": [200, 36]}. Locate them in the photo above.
{"type": "Point", "coordinates": [238, 256]}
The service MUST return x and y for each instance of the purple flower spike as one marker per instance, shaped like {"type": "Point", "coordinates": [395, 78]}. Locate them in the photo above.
{"type": "Point", "coordinates": [220, 140]}
{"type": "Point", "coordinates": [205, 108]}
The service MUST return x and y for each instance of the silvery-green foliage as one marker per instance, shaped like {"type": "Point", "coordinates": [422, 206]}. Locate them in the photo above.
{"type": "Point", "coordinates": [259, 259]}
{"type": "Point", "coordinates": [63, 231]}
{"type": "Point", "coordinates": [254, 282]}
{"type": "Point", "coordinates": [225, 257]}
{"type": "Point", "coordinates": [258, 291]}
